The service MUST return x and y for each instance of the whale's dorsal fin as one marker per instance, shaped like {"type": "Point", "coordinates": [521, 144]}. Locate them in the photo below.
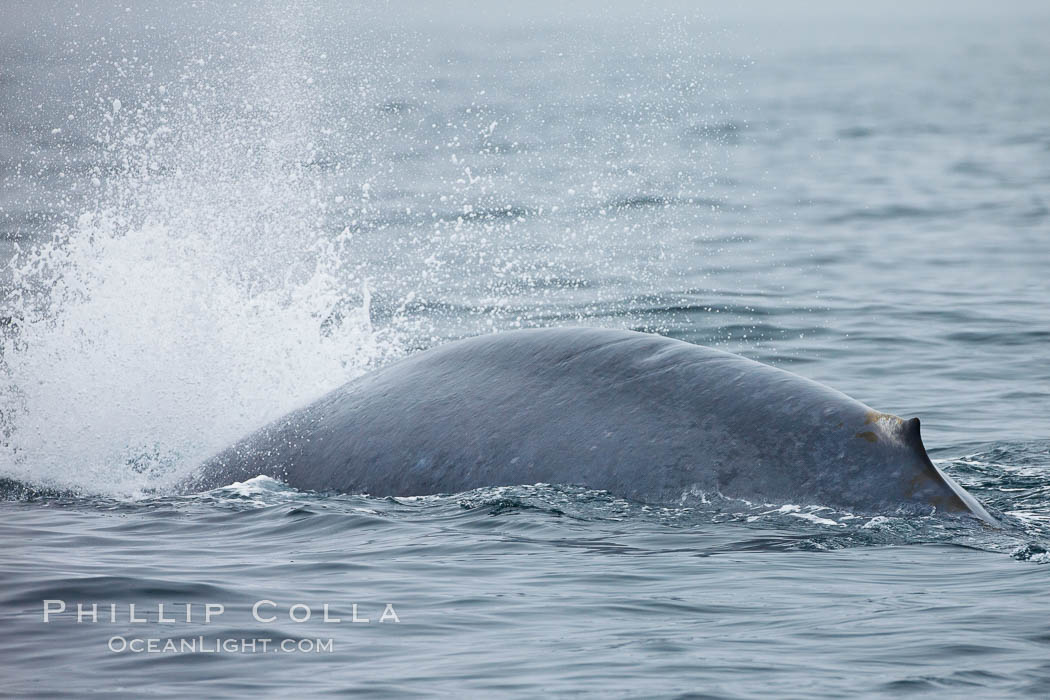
{"type": "Point", "coordinates": [909, 434]}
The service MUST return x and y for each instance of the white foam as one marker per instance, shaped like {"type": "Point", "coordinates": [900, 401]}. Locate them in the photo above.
{"type": "Point", "coordinates": [197, 295]}
{"type": "Point", "coordinates": [817, 519]}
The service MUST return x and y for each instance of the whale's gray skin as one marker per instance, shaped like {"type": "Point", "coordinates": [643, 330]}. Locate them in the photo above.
{"type": "Point", "coordinates": [642, 416]}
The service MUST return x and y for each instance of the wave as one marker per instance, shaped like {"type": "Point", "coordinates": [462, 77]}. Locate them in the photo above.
{"type": "Point", "coordinates": [264, 507]}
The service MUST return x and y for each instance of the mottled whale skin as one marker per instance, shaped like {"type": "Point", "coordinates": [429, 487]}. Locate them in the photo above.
{"type": "Point", "coordinates": [642, 416]}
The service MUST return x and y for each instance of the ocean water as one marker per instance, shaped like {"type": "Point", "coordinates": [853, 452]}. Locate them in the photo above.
{"type": "Point", "coordinates": [212, 214]}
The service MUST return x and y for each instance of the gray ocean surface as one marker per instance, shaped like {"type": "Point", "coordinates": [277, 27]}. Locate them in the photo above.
{"type": "Point", "coordinates": [211, 214]}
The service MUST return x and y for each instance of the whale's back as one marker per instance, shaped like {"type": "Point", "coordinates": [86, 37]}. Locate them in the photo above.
{"type": "Point", "coordinates": [643, 416]}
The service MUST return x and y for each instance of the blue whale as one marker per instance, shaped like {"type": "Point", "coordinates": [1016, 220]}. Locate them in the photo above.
{"type": "Point", "coordinates": [641, 416]}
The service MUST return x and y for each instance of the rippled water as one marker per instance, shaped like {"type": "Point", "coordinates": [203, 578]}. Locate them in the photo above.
{"type": "Point", "coordinates": [213, 215]}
